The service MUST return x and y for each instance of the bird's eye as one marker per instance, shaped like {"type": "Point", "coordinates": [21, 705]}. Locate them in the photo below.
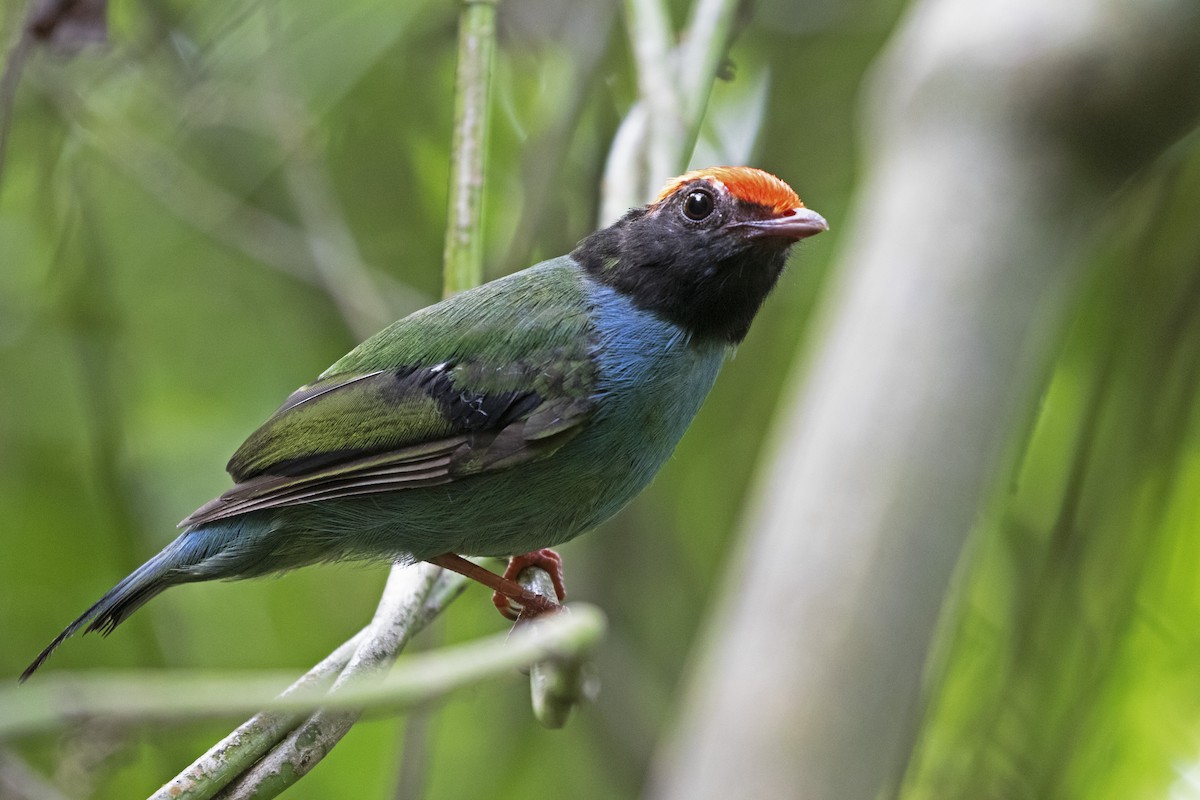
{"type": "Point", "coordinates": [698, 205]}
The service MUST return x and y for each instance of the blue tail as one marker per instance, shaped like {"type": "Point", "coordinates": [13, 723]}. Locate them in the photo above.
{"type": "Point", "coordinates": [182, 561]}
{"type": "Point", "coordinates": [122, 600]}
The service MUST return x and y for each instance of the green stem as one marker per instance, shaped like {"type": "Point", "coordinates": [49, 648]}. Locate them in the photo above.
{"type": "Point", "coordinates": [463, 254]}
{"type": "Point", "coordinates": [273, 750]}
{"type": "Point", "coordinates": [59, 700]}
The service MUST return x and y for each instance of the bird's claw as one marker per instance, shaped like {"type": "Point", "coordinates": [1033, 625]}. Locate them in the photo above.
{"type": "Point", "coordinates": [523, 608]}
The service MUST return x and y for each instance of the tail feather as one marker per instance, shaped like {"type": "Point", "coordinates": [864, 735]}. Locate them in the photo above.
{"type": "Point", "coordinates": [241, 547]}
{"type": "Point", "coordinates": [144, 583]}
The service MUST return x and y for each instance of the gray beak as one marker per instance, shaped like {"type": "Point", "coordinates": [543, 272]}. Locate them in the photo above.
{"type": "Point", "coordinates": [799, 223]}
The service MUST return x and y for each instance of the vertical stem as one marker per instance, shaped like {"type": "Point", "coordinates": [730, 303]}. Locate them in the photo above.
{"type": "Point", "coordinates": [412, 596]}
{"type": "Point", "coordinates": [463, 254]}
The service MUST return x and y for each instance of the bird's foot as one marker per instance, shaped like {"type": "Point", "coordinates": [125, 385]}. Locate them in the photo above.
{"type": "Point", "coordinates": [546, 559]}
{"type": "Point", "coordinates": [513, 599]}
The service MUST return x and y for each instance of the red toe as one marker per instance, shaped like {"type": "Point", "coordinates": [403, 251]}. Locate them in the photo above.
{"type": "Point", "coordinates": [545, 559]}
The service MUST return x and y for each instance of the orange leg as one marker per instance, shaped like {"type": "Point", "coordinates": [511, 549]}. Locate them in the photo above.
{"type": "Point", "coordinates": [545, 559]}
{"type": "Point", "coordinates": [506, 591]}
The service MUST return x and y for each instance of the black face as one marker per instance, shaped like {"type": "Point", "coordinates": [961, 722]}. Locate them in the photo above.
{"type": "Point", "coordinates": [687, 259]}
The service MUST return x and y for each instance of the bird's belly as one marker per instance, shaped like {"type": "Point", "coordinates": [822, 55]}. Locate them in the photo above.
{"type": "Point", "coordinates": [535, 505]}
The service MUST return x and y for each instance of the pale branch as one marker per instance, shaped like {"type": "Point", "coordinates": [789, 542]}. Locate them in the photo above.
{"type": "Point", "coordinates": [674, 82]}
{"type": "Point", "coordinates": [235, 753]}
{"type": "Point", "coordinates": [254, 738]}
{"type": "Point", "coordinates": [995, 144]}
{"type": "Point", "coordinates": [709, 34]}
{"type": "Point", "coordinates": [625, 167]}
{"type": "Point", "coordinates": [652, 42]}
{"type": "Point", "coordinates": [398, 617]}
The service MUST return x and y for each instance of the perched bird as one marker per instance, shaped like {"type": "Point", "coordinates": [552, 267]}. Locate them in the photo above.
{"type": "Point", "coordinates": [508, 418]}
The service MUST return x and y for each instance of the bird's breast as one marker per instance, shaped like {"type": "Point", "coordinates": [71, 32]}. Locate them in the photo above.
{"type": "Point", "coordinates": [651, 381]}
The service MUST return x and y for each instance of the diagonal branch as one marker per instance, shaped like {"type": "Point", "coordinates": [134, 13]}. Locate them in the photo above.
{"type": "Point", "coordinates": [234, 754]}
{"type": "Point", "coordinates": [398, 617]}
{"type": "Point", "coordinates": [264, 732]}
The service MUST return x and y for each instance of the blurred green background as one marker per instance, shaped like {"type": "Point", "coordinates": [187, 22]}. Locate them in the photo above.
{"type": "Point", "coordinates": [163, 286]}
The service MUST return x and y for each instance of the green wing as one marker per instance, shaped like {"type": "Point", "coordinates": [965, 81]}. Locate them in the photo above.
{"type": "Point", "coordinates": [485, 380]}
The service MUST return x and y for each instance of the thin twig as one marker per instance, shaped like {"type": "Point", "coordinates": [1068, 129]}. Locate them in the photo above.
{"type": "Point", "coordinates": [259, 235]}
{"type": "Point", "coordinates": [61, 699]}
{"type": "Point", "coordinates": [209, 209]}
{"type": "Point", "coordinates": [68, 25]}
{"type": "Point", "coordinates": [228, 219]}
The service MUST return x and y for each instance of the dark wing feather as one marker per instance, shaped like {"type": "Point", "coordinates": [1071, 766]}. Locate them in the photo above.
{"type": "Point", "coordinates": [404, 428]}
{"type": "Point", "coordinates": [401, 469]}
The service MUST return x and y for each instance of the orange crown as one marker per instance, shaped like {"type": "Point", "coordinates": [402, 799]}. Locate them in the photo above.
{"type": "Point", "coordinates": [745, 183]}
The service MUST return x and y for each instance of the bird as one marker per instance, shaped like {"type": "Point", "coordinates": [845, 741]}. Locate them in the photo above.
{"type": "Point", "coordinates": [503, 420]}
